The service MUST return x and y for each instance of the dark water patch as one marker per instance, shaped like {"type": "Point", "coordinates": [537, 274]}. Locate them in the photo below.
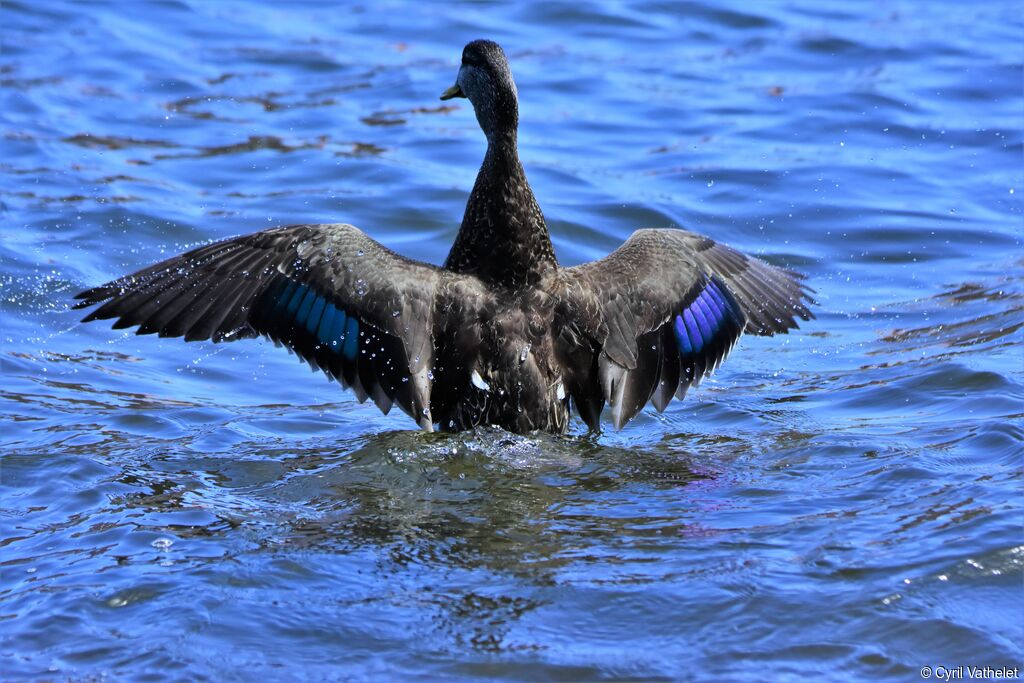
{"type": "Point", "coordinates": [29, 83]}
{"type": "Point", "coordinates": [114, 142]}
{"type": "Point", "coordinates": [255, 143]}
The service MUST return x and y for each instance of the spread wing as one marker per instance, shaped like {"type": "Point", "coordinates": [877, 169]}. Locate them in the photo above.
{"type": "Point", "coordinates": [337, 298]}
{"type": "Point", "coordinates": [652, 318]}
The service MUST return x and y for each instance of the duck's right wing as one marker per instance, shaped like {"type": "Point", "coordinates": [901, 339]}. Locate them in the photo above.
{"type": "Point", "coordinates": [652, 318]}
{"type": "Point", "coordinates": [339, 299]}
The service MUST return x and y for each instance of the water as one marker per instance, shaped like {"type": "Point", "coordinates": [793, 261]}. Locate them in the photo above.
{"type": "Point", "coordinates": [844, 502]}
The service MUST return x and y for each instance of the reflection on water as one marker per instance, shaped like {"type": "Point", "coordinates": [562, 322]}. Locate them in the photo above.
{"type": "Point", "coordinates": [842, 502]}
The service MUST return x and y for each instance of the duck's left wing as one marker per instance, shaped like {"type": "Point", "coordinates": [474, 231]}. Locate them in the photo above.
{"type": "Point", "coordinates": [651, 319]}
{"type": "Point", "coordinates": [336, 297]}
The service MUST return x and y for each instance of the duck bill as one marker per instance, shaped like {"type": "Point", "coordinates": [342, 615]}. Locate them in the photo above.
{"type": "Point", "coordinates": [454, 91]}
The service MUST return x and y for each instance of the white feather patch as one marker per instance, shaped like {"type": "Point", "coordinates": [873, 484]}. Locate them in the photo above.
{"type": "Point", "coordinates": [479, 382]}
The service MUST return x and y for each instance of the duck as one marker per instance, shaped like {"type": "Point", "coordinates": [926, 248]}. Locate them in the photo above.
{"type": "Point", "coordinates": [500, 334]}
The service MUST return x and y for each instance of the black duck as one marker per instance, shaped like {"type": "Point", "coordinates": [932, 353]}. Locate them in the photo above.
{"type": "Point", "coordinates": [501, 334]}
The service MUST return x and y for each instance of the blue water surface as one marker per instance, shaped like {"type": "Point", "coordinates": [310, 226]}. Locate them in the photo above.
{"type": "Point", "coordinates": [841, 503]}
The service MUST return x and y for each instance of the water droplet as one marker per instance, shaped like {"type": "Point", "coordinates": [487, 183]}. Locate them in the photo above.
{"type": "Point", "coordinates": [711, 183]}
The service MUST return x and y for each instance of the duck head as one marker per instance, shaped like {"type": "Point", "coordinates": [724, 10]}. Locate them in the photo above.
{"type": "Point", "coordinates": [486, 80]}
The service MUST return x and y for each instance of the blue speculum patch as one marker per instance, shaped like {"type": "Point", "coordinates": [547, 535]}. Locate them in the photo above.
{"type": "Point", "coordinates": [299, 304]}
{"type": "Point", "coordinates": [699, 322]}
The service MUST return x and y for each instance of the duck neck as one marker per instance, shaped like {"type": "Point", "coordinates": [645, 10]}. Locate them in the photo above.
{"type": "Point", "coordinates": [503, 239]}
